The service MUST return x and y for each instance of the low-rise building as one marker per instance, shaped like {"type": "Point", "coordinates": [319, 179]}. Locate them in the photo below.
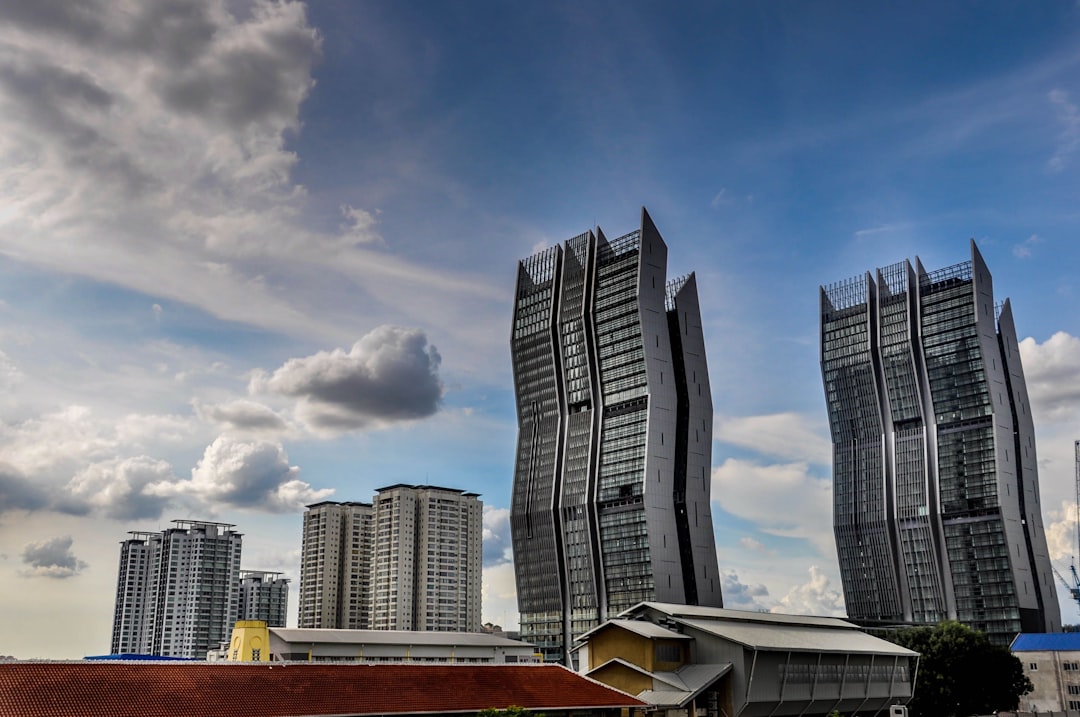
{"type": "Point", "coordinates": [689, 660]}
{"type": "Point", "coordinates": [173, 689]}
{"type": "Point", "coordinates": [1052, 663]}
{"type": "Point", "coordinates": [254, 642]}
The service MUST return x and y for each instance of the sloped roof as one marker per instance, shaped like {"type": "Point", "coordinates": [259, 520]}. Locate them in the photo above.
{"type": "Point", "coordinates": [1046, 642]}
{"type": "Point", "coordinates": [809, 638]}
{"type": "Point", "coordinates": [719, 613]}
{"type": "Point", "coordinates": [169, 689]}
{"type": "Point", "coordinates": [296, 635]}
{"type": "Point", "coordinates": [641, 627]}
{"type": "Point", "coordinates": [674, 689]}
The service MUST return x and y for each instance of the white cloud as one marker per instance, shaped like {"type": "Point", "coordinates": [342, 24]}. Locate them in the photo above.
{"type": "Point", "coordinates": [499, 596]}
{"type": "Point", "coordinates": [1069, 139]}
{"type": "Point", "coordinates": [253, 475]}
{"type": "Point", "coordinates": [789, 436]}
{"type": "Point", "coordinates": [1023, 249]}
{"type": "Point", "coordinates": [121, 489]}
{"type": "Point", "coordinates": [756, 546]}
{"type": "Point", "coordinates": [781, 499]}
{"type": "Point", "coordinates": [498, 547]}
{"type": "Point", "coordinates": [1052, 373]}
{"type": "Point", "coordinates": [738, 596]}
{"type": "Point", "coordinates": [817, 596]}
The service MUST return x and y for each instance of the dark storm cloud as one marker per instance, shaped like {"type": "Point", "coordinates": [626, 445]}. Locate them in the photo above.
{"type": "Point", "coordinates": [388, 376]}
{"type": "Point", "coordinates": [19, 493]}
{"type": "Point", "coordinates": [51, 559]}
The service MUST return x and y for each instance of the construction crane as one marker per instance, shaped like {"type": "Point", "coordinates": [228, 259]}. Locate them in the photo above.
{"type": "Point", "coordinates": [1074, 586]}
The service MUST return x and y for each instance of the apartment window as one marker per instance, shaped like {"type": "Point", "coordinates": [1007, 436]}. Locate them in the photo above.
{"type": "Point", "coordinates": [1033, 666]}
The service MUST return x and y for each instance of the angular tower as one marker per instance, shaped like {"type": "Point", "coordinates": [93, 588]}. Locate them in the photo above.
{"type": "Point", "coordinates": [611, 484]}
{"type": "Point", "coordinates": [935, 488]}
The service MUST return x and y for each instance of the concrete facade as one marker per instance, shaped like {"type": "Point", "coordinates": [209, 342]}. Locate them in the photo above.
{"type": "Point", "coordinates": [1052, 663]}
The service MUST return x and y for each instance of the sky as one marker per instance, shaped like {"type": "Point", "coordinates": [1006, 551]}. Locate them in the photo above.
{"type": "Point", "coordinates": [254, 255]}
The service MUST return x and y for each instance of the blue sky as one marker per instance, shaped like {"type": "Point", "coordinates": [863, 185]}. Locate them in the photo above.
{"type": "Point", "coordinates": [253, 255]}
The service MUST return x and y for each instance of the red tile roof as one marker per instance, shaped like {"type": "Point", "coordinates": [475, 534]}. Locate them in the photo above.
{"type": "Point", "coordinates": [178, 689]}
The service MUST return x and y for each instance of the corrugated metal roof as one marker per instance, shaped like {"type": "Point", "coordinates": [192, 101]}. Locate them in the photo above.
{"type": "Point", "coordinates": [392, 637]}
{"type": "Point", "coordinates": [171, 689]}
{"type": "Point", "coordinates": [641, 627]}
{"type": "Point", "coordinates": [692, 611]}
{"type": "Point", "coordinates": [808, 638]}
{"type": "Point", "coordinates": [1046, 642]}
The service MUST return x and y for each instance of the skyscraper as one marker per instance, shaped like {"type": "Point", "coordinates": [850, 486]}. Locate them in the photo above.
{"type": "Point", "coordinates": [409, 561]}
{"type": "Point", "coordinates": [263, 596]}
{"type": "Point", "coordinates": [176, 593]}
{"type": "Point", "coordinates": [935, 486]}
{"type": "Point", "coordinates": [335, 566]}
{"type": "Point", "coordinates": [610, 503]}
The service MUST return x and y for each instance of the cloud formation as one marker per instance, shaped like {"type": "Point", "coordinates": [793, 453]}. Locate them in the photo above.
{"type": "Point", "coordinates": [19, 493]}
{"type": "Point", "coordinates": [817, 596]}
{"type": "Point", "coordinates": [389, 376]}
{"type": "Point", "coordinates": [120, 488]}
{"type": "Point", "coordinates": [241, 415]}
{"type": "Point", "coordinates": [782, 499]}
{"type": "Point", "coordinates": [1052, 373]}
{"type": "Point", "coordinates": [253, 475]}
{"type": "Point", "coordinates": [498, 546]}
{"type": "Point", "coordinates": [739, 596]}
{"type": "Point", "coordinates": [789, 436]}
{"type": "Point", "coordinates": [51, 559]}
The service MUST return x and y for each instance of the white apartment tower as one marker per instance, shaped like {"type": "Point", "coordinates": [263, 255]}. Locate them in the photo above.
{"type": "Point", "coordinates": [409, 561]}
{"type": "Point", "coordinates": [176, 593]}
{"type": "Point", "coordinates": [426, 567]}
{"type": "Point", "coordinates": [264, 596]}
{"type": "Point", "coordinates": [335, 566]}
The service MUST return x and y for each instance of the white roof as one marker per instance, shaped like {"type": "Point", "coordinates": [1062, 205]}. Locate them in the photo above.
{"type": "Point", "coordinates": [296, 635]}
{"type": "Point", "coordinates": [641, 627]}
{"type": "Point", "coordinates": [809, 638]}
{"type": "Point", "coordinates": [692, 611]}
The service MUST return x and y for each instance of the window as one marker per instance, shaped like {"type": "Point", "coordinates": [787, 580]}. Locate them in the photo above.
{"type": "Point", "coordinates": [1074, 689]}
{"type": "Point", "coordinates": [1033, 666]}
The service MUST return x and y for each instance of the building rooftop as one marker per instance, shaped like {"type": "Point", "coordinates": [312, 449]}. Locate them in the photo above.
{"type": "Point", "coordinates": [299, 635]}
{"type": "Point", "coordinates": [1046, 642]}
{"type": "Point", "coordinates": [169, 689]}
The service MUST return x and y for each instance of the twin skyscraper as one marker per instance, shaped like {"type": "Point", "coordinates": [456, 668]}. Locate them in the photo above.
{"type": "Point", "coordinates": [611, 485]}
{"type": "Point", "coordinates": [936, 510]}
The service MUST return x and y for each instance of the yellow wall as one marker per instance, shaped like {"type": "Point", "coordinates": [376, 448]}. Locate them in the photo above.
{"type": "Point", "coordinates": [616, 642]}
{"type": "Point", "coordinates": [623, 678]}
{"type": "Point", "coordinates": [250, 642]}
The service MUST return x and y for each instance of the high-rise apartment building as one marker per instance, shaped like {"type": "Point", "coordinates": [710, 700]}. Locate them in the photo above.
{"type": "Point", "coordinates": [335, 566]}
{"type": "Point", "coordinates": [264, 596]}
{"type": "Point", "coordinates": [177, 594]}
{"type": "Point", "coordinates": [935, 487]}
{"type": "Point", "coordinates": [411, 560]}
{"type": "Point", "coordinates": [610, 503]}
{"type": "Point", "coordinates": [427, 559]}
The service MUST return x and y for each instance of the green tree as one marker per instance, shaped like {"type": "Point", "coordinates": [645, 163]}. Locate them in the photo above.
{"type": "Point", "coordinates": [961, 672]}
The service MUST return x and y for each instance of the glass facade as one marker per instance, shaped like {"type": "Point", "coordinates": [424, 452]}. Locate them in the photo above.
{"type": "Point", "coordinates": [935, 511]}
{"type": "Point", "coordinates": [597, 401]}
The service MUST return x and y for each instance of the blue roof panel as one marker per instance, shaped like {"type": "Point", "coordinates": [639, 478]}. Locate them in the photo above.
{"type": "Point", "coordinates": [1046, 642]}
